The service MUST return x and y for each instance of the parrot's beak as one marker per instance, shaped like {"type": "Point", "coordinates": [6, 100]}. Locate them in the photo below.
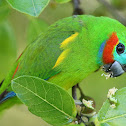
{"type": "Point", "coordinates": [115, 69]}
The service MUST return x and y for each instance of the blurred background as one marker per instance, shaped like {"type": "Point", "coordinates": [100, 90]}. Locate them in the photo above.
{"type": "Point", "coordinates": [17, 30]}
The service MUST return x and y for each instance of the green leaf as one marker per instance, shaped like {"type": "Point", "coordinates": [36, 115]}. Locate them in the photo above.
{"type": "Point", "coordinates": [48, 101]}
{"type": "Point", "coordinates": [35, 28]}
{"type": "Point", "coordinates": [7, 48]}
{"type": "Point", "coordinates": [31, 7]}
{"type": "Point", "coordinates": [62, 1]}
{"type": "Point", "coordinates": [109, 116]}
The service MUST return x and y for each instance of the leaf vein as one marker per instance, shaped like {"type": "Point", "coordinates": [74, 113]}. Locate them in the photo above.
{"type": "Point", "coordinates": [34, 7]}
{"type": "Point", "coordinates": [45, 101]}
{"type": "Point", "coordinates": [112, 118]}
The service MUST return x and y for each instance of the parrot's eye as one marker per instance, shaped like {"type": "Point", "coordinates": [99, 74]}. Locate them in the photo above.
{"type": "Point", "coordinates": [120, 48]}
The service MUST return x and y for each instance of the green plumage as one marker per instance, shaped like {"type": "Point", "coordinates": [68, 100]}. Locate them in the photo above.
{"type": "Point", "coordinates": [40, 57]}
{"type": "Point", "coordinates": [81, 60]}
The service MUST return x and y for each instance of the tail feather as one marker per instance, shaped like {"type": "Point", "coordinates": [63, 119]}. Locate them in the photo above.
{"type": "Point", "coordinates": [6, 95]}
{"type": "Point", "coordinates": [1, 82]}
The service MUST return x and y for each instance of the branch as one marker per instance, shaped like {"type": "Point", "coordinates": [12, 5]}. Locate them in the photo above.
{"type": "Point", "coordinates": [77, 10]}
{"type": "Point", "coordinates": [113, 11]}
{"type": "Point", "coordinates": [74, 92]}
{"type": "Point", "coordinates": [81, 92]}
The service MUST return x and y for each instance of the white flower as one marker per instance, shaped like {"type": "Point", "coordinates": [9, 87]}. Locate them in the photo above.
{"type": "Point", "coordinates": [111, 92]}
{"type": "Point", "coordinates": [88, 103]}
{"type": "Point", "coordinates": [113, 106]}
{"type": "Point", "coordinates": [107, 76]}
{"type": "Point", "coordinates": [112, 99]}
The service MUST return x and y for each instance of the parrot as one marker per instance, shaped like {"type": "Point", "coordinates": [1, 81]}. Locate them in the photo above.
{"type": "Point", "coordinates": [69, 51]}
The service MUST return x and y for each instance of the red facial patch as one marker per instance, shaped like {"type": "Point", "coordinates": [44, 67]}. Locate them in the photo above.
{"type": "Point", "coordinates": [110, 44]}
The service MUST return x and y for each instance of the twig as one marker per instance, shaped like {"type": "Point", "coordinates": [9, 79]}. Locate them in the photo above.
{"type": "Point", "coordinates": [113, 11]}
{"type": "Point", "coordinates": [74, 92]}
{"type": "Point", "coordinates": [81, 92]}
{"type": "Point", "coordinates": [77, 10]}
{"type": "Point", "coordinates": [83, 96]}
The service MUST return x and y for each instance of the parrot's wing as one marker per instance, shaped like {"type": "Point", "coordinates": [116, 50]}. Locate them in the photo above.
{"type": "Point", "coordinates": [40, 57]}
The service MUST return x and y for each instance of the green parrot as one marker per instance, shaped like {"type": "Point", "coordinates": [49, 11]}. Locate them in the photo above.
{"type": "Point", "coordinates": [69, 51]}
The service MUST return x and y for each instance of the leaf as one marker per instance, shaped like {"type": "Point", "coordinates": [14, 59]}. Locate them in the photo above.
{"type": "Point", "coordinates": [7, 48]}
{"type": "Point", "coordinates": [45, 100]}
{"type": "Point", "coordinates": [31, 7]}
{"type": "Point", "coordinates": [62, 1]}
{"type": "Point", "coordinates": [109, 116]}
{"type": "Point", "coordinates": [35, 28]}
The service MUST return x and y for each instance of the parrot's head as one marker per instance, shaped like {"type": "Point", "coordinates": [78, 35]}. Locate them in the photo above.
{"type": "Point", "coordinates": [114, 56]}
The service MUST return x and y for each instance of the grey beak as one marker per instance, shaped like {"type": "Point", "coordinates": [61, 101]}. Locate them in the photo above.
{"type": "Point", "coordinates": [115, 69]}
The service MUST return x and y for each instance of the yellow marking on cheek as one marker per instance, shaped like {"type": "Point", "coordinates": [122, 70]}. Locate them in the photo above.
{"type": "Point", "coordinates": [61, 57]}
{"type": "Point", "coordinates": [66, 41]}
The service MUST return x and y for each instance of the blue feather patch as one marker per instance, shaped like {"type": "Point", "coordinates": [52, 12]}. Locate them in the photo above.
{"type": "Point", "coordinates": [8, 95]}
{"type": "Point", "coordinates": [12, 94]}
{"type": "Point", "coordinates": [101, 52]}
